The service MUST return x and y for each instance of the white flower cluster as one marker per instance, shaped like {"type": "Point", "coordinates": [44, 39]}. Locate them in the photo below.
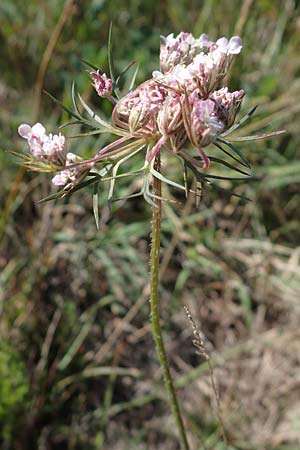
{"type": "Point", "coordinates": [182, 102]}
{"type": "Point", "coordinates": [184, 48]}
{"type": "Point", "coordinates": [50, 149]}
{"type": "Point", "coordinates": [46, 148]}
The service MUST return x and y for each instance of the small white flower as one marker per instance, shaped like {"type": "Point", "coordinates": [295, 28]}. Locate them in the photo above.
{"type": "Point", "coordinates": [233, 47]}
{"type": "Point", "coordinates": [46, 148]}
{"type": "Point", "coordinates": [61, 179]}
{"type": "Point", "coordinates": [181, 74]}
{"type": "Point", "coordinates": [69, 175]}
{"type": "Point", "coordinates": [202, 42]}
{"type": "Point", "coordinates": [157, 74]}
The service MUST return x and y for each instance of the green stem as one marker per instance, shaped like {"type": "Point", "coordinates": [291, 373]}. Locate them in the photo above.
{"type": "Point", "coordinates": [154, 282]}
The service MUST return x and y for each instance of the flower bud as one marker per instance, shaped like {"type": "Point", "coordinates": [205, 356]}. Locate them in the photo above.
{"type": "Point", "coordinates": [177, 50]}
{"type": "Point", "coordinates": [169, 118]}
{"type": "Point", "coordinates": [227, 104]}
{"type": "Point", "coordinates": [102, 84]}
{"type": "Point", "coordinates": [202, 125]}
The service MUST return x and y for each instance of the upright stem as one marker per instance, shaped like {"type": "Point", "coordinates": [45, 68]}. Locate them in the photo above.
{"type": "Point", "coordinates": [154, 282]}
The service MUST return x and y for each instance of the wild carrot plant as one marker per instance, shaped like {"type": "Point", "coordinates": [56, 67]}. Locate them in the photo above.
{"type": "Point", "coordinates": [180, 111]}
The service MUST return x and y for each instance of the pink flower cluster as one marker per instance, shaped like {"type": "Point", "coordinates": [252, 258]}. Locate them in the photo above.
{"type": "Point", "coordinates": [72, 175]}
{"type": "Point", "coordinates": [102, 84]}
{"type": "Point", "coordinates": [45, 148]}
{"type": "Point", "coordinates": [183, 48]}
{"type": "Point", "coordinates": [182, 102]}
{"type": "Point", "coordinates": [50, 149]}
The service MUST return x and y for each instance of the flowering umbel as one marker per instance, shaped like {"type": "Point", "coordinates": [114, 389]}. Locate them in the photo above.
{"type": "Point", "coordinates": [45, 148]}
{"type": "Point", "coordinates": [181, 106]}
{"type": "Point", "coordinates": [48, 152]}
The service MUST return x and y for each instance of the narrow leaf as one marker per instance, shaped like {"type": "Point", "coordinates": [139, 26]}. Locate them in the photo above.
{"type": "Point", "coordinates": [198, 193]}
{"type": "Point", "coordinates": [73, 94]}
{"type": "Point", "coordinates": [131, 86]}
{"type": "Point", "coordinates": [92, 113]}
{"type": "Point", "coordinates": [65, 192]}
{"type": "Point", "coordinates": [240, 122]}
{"type": "Point", "coordinates": [199, 176]}
{"type": "Point", "coordinates": [58, 194]}
{"type": "Point", "coordinates": [256, 136]}
{"type": "Point", "coordinates": [235, 150]}
{"type": "Point", "coordinates": [229, 154]}
{"type": "Point", "coordinates": [109, 53]}
{"type": "Point", "coordinates": [115, 171]}
{"type": "Point", "coordinates": [165, 180]}
{"type": "Point", "coordinates": [92, 66]}
{"type": "Point", "coordinates": [227, 164]}
{"type": "Point", "coordinates": [137, 194]}
{"type": "Point", "coordinates": [89, 133]}
{"type": "Point", "coordinates": [220, 177]}
{"type": "Point", "coordinates": [132, 63]}
{"type": "Point", "coordinates": [65, 108]}
{"type": "Point", "coordinates": [71, 122]}
{"type": "Point", "coordinates": [185, 179]}
{"type": "Point", "coordinates": [96, 205]}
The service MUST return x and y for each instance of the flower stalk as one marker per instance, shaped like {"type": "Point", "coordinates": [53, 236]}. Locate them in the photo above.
{"type": "Point", "coordinates": [154, 306]}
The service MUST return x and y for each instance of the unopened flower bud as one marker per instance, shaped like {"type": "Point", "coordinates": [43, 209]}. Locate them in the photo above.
{"type": "Point", "coordinates": [102, 84]}
{"type": "Point", "coordinates": [169, 118]}
{"type": "Point", "coordinates": [177, 50]}
{"type": "Point", "coordinates": [203, 124]}
{"type": "Point", "coordinates": [227, 104]}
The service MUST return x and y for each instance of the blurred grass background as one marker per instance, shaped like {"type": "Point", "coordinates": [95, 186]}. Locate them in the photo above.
{"type": "Point", "coordinates": [77, 365]}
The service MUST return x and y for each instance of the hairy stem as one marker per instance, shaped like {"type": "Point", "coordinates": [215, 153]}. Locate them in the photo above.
{"type": "Point", "coordinates": [154, 282]}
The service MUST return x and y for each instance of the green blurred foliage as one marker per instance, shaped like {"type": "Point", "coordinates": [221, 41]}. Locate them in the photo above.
{"type": "Point", "coordinates": [14, 388]}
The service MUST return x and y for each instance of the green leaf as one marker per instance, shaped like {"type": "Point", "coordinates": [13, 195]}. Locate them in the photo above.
{"type": "Point", "coordinates": [220, 177]}
{"type": "Point", "coordinates": [198, 193]}
{"type": "Point", "coordinates": [96, 204]}
{"type": "Point", "coordinates": [227, 164]}
{"type": "Point", "coordinates": [58, 194]}
{"type": "Point", "coordinates": [92, 113]}
{"type": "Point", "coordinates": [116, 168]}
{"type": "Point", "coordinates": [235, 150]}
{"type": "Point", "coordinates": [65, 192]}
{"type": "Point", "coordinates": [71, 122]}
{"type": "Point", "coordinates": [255, 137]}
{"type": "Point", "coordinates": [65, 108]}
{"type": "Point", "coordinates": [109, 53]}
{"type": "Point", "coordinates": [92, 66]}
{"type": "Point", "coordinates": [133, 79]}
{"type": "Point", "coordinates": [240, 122]}
{"type": "Point", "coordinates": [132, 63]}
{"type": "Point", "coordinates": [201, 177]}
{"type": "Point", "coordinates": [137, 194]}
{"type": "Point", "coordinates": [89, 133]}
{"type": "Point", "coordinates": [185, 178]}
{"type": "Point", "coordinates": [73, 94]}
{"type": "Point", "coordinates": [229, 154]}
{"type": "Point", "coordinates": [166, 180]}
